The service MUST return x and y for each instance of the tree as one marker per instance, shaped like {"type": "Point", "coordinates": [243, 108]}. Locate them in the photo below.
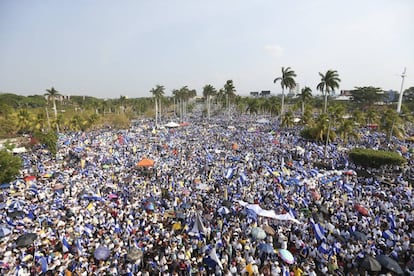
{"type": "Point", "coordinates": [392, 124]}
{"type": "Point", "coordinates": [305, 95]}
{"type": "Point", "coordinates": [288, 120]}
{"type": "Point", "coordinates": [347, 130]}
{"type": "Point", "coordinates": [367, 96]}
{"type": "Point", "coordinates": [53, 94]}
{"type": "Point", "coordinates": [287, 80]}
{"type": "Point", "coordinates": [10, 166]}
{"type": "Point", "coordinates": [230, 93]}
{"type": "Point", "coordinates": [328, 83]}
{"type": "Point", "coordinates": [208, 92]}
{"type": "Point", "coordinates": [49, 139]}
{"type": "Point", "coordinates": [375, 158]}
{"type": "Point", "coordinates": [157, 92]}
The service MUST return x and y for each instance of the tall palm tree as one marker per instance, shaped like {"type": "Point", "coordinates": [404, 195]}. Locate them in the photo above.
{"type": "Point", "coordinates": [157, 93]}
{"type": "Point", "coordinates": [53, 94]}
{"type": "Point", "coordinates": [328, 83]}
{"type": "Point", "coordinates": [230, 92]}
{"type": "Point", "coordinates": [208, 92]}
{"type": "Point", "coordinates": [305, 95]}
{"type": "Point", "coordinates": [287, 80]}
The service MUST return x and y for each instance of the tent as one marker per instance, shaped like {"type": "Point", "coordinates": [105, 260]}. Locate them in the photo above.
{"type": "Point", "coordinates": [146, 163]}
{"type": "Point", "coordinates": [171, 125]}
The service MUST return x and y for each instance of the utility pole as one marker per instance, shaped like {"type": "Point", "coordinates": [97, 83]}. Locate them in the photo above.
{"type": "Point", "coordinates": [400, 98]}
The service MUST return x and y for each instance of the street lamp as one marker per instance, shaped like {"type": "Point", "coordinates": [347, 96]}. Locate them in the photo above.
{"type": "Point", "coordinates": [400, 98]}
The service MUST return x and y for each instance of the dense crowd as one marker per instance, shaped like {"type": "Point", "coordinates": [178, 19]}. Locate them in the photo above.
{"type": "Point", "coordinates": [207, 199]}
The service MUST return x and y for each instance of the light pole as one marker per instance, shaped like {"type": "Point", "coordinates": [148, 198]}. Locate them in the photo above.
{"type": "Point", "coordinates": [400, 98]}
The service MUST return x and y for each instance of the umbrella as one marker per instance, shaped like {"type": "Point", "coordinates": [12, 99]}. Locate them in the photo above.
{"type": "Point", "coordinates": [4, 231]}
{"type": "Point", "coordinates": [265, 248]}
{"type": "Point", "coordinates": [30, 178]}
{"type": "Point", "coordinates": [269, 230]}
{"type": "Point", "coordinates": [112, 196]}
{"type": "Point", "coordinates": [101, 253]}
{"type": "Point", "coordinates": [361, 209]}
{"type": "Point", "coordinates": [145, 163]}
{"type": "Point", "coordinates": [185, 205]}
{"type": "Point", "coordinates": [324, 209]}
{"type": "Point", "coordinates": [4, 185]}
{"type": "Point", "coordinates": [258, 233]}
{"type": "Point", "coordinates": [360, 236]}
{"type": "Point", "coordinates": [134, 254]}
{"type": "Point", "coordinates": [16, 214]}
{"type": "Point", "coordinates": [286, 256]}
{"type": "Point", "coordinates": [227, 203]}
{"type": "Point", "coordinates": [370, 264]}
{"type": "Point", "coordinates": [388, 263]}
{"type": "Point", "coordinates": [149, 206]}
{"type": "Point", "coordinates": [58, 187]}
{"type": "Point", "coordinates": [223, 210]}
{"type": "Point", "coordinates": [26, 239]}
{"type": "Point", "coordinates": [176, 226]}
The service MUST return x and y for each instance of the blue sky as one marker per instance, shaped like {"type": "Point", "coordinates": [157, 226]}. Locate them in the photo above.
{"type": "Point", "coordinates": [111, 48]}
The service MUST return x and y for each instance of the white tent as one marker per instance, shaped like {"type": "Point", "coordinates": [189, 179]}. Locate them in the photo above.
{"type": "Point", "coordinates": [263, 121]}
{"type": "Point", "coordinates": [172, 125]}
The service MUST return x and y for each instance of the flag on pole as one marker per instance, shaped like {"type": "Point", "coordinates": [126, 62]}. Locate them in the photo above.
{"type": "Point", "coordinates": [65, 245]}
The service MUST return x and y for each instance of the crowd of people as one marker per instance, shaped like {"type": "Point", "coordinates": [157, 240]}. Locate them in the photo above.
{"type": "Point", "coordinates": [206, 199]}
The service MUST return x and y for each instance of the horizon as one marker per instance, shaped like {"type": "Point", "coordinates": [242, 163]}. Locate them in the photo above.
{"type": "Point", "coordinates": [105, 49]}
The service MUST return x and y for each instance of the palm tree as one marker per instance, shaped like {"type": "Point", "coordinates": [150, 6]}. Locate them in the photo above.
{"type": "Point", "coordinates": [157, 92]}
{"type": "Point", "coordinates": [253, 105]}
{"type": "Point", "coordinates": [305, 95]}
{"type": "Point", "coordinates": [288, 120]}
{"type": "Point", "coordinates": [23, 120]}
{"type": "Point", "coordinates": [347, 130]}
{"type": "Point", "coordinates": [287, 80]}
{"type": "Point", "coordinates": [53, 94]}
{"type": "Point", "coordinates": [328, 83]}
{"type": "Point", "coordinates": [230, 93]}
{"type": "Point", "coordinates": [208, 92]}
{"type": "Point", "coordinates": [372, 116]}
{"type": "Point", "coordinates": [392, 124]}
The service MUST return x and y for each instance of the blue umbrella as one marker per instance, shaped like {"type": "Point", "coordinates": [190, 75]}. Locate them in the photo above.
{"type": "Point", "coordinates": [102, 253]}
{"type": "Point", "coordinates": [4, 231]}
{"type": "Point", "coordinates": [5, 186]}
{"type": "Point", "coordinates": [266, 248]}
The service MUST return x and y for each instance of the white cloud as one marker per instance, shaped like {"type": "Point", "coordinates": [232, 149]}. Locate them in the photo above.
{"type": "Point", "coordinates": [276, 51]}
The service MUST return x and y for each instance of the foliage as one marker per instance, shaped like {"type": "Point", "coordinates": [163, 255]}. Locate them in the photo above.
{"type": "Point", "coordinates": [9, 166]}
{"type": "Point", "coordinates": [367, 96]}
{"type": "Point", "coordinates": [287, 80]}
{"type": "Point", "coordinates": [48, 139]}
{"type": "Point", "coordinates": [369, 158]}
{"type": "Point", "coordinates": [328, 83]}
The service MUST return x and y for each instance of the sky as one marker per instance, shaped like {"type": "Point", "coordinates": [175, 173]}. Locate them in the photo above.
{"type": "Point", "coordinates": [107, 49]}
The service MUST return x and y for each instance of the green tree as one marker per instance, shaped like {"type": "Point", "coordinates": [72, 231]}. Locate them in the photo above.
{"type": "Point", "coordinates": [328, 83]}
{"type": "Point", "coordinates": [288, 119]}
{"type": "Point", "coordinates": [347, 129]}
{"type": "Point", "coordinates": [157, 93]}
{"type": "Point", "coordinates": [305, 96]}
{"type": "Point", "coordinates": [53, 94]}
{"type": "Point", "coordinates": [230, 93]}
{"type": "Point", "coordinates": [49, 139]}
{"type": "Point", "coordinates": [208, 92]}
{"type": "Point", "coordinates": [10, 166]}
{"type": "Point", "coordinates": [287, 80]}
{"type": "Point", "coordinates": [392, 124]}
{"type": "Point", "coordinates": [366, 96]}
